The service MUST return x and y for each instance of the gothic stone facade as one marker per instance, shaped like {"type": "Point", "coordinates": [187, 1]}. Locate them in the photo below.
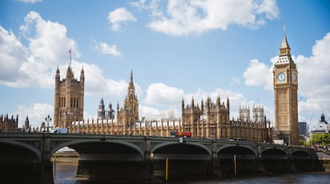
{"type": "Point", "coordinates": [211, 120]}
{"type": "Point", "coordinates": [69, 98]}
{"type": "Point", "coordinates": [105, 114]}
{"type": "Point", "coordinates": [8, 124]}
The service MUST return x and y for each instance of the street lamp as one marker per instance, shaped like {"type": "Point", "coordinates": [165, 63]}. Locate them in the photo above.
{"type": "Point", "coordinates": [48, 119]}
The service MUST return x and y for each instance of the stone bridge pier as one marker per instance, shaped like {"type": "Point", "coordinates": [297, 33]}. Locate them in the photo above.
{"type": "Point", "coordinates": [26, 159]}
{"type": "Point", "coordinates": [46, 166]}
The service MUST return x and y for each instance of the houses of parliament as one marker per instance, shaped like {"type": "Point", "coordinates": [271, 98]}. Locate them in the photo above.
{"type": "Point", "coordinates": [206, 119]}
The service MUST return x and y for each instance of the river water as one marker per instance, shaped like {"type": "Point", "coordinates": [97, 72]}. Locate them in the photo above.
{"type": "Point", "coordinates": [65, 173]}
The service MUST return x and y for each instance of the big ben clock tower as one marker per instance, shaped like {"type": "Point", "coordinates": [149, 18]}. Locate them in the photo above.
{"type": "Point", "coordinates": [285, 79]}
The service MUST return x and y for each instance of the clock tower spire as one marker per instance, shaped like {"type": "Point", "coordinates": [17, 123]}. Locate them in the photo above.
{"type": "Point", "coordinates": [285, 80]}
{"type": "Point", "coordinates": [285, 48]}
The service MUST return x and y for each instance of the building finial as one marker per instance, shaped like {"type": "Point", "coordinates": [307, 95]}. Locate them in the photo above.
{"type": "Point", "coordinates": [131, 83]}
{"type": "Point", "coordinates": [57, 70]}
{"type": "Point", "coordinates": [70, 58]}
{"type": "Point", "coordinates": [82, 72]}
{"type": "Point", "coordinates": [131, 88]}
{"type": "Point", "coordinates": [131, 75]}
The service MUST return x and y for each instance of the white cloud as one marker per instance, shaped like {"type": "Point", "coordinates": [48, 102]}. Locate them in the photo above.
{"type": "Point", "coordinates": [30, 1]}
{"type": "Point", "coordinates": [197, 16]}
{"type": "Point", "coordinates": [268, 7]}
{"type": "Point", "coordinates": [148, 112]}
{"type": "Point", "coordinates": [159, 93]}
{"type": "Point", "coordinates": [106, 49]}
{"type": "Point", "coordinates": [48, 41]}
{"type": "Point", "coordinates": [118, 16]}
{"type": "Point", "coordinates": [258, 74]}
{"type": "Point", "coordinates": [314, 80]}
{"type": "Point", "coordinates": [12, 55]}
{"type": "Point", "coordinates": [33, 66]}
{"type": "Point", "coordinates": [19, 69]}
{"type": "Point", "coordinates": [36, 112]}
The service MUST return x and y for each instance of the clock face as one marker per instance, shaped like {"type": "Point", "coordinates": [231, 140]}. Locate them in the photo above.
{"type": "Point", "coordinates": [294, 77]}
{"type": "Point", "coordinates": [280, 77]}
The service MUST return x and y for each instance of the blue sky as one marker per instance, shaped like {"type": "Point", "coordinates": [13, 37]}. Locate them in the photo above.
{"type": "Point", "coordinates": [176, 49]}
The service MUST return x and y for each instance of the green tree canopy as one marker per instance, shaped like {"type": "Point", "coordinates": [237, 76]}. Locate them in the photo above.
{"type": "Point", "coordinates": [321, 139]}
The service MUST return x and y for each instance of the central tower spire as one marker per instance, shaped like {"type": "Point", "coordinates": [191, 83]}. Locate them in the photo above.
{"type": "Point", "coordinates": [131, 88]}
{"type": "Point", "coordinates": [129, 114]}
{"type": "Point", "coordinates": [131, 102]}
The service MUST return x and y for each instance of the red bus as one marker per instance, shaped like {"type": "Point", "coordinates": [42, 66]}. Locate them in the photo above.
{"type": "Point", "coordinates": [183, 134]}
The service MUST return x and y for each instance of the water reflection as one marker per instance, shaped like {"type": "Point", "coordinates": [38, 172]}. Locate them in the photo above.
{"type": "Point", "coordinates": [65, 173]}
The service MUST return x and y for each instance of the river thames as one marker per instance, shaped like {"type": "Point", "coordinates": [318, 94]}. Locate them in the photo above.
{"type": "Point", "coordinates": [65, 173]}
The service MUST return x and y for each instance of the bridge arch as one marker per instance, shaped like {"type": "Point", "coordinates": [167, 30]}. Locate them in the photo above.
{"type": "Point", "coordinates": [106, 149]}
{"type": "Point", "coordinates": [21, 146]}
{"type": "Point", "coordinates": [274, 154]}
{"type": "Point", "coordinates": [241, 152]}
{"type": "Point", "coordinates": [301, 155]}
{"type": "Point", "coordinates": [182, 151]}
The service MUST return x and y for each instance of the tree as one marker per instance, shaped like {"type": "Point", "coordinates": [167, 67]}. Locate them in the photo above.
{"type": "Point", "coordinates": [321, 139]}
{"type": "Point", "coordinates": [302, 142]}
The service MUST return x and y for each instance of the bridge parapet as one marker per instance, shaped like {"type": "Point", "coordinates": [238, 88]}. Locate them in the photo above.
{"type": "Point", "coordinates": [147, 150]}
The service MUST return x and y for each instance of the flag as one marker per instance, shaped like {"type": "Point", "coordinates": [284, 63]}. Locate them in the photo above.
{"type": "Point", "coordinates": [70, 51]}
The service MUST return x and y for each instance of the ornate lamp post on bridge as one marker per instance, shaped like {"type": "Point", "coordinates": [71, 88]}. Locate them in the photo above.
{"type": "Point", "coordinates": [48, 119]}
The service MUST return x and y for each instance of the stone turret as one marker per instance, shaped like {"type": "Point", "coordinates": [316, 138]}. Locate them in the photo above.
{"type": "Point", "coordinates": [26, 123]}
{"type": "Point", "coordinates": [8, 124]}
{"type": "Point", "coordinates": [244, 114]}
{"type": "Point", "coordinates": [110, 112]}
{"type": "Point", "coordinates": [258, 113]}
{"type": "Point", "coordinates": [101, 111]}
{"type": "Point", "coordinates": [68, 98]}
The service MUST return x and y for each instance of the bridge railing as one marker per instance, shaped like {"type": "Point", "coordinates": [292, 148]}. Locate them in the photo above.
{"type": "Point", "coordinates": [20, 134]}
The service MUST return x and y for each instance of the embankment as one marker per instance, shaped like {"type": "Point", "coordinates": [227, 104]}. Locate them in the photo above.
{"type": "Point", "coordinates": [65, 157]}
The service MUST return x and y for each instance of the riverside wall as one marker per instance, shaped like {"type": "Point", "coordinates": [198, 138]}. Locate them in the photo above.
{"type": "Point", "coordinates": [65, 158]}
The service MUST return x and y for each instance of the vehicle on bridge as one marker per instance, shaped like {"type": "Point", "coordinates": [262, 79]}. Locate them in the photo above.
{"type": "Point", "coordinates": [239, 139]}
{"type": "Point", "coordinates": [175, 133]}
{"type": "Point", "coordinates": [58, 130]}
{"type": "Point", "coordinates": [182, 134]}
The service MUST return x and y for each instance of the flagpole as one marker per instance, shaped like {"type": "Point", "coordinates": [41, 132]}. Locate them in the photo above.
{"type": "Point", "coordinates": [70, 58]}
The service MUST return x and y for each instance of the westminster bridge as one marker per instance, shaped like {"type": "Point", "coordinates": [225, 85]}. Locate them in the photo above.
{"type": "Point", "coordinates": [26, 156]}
